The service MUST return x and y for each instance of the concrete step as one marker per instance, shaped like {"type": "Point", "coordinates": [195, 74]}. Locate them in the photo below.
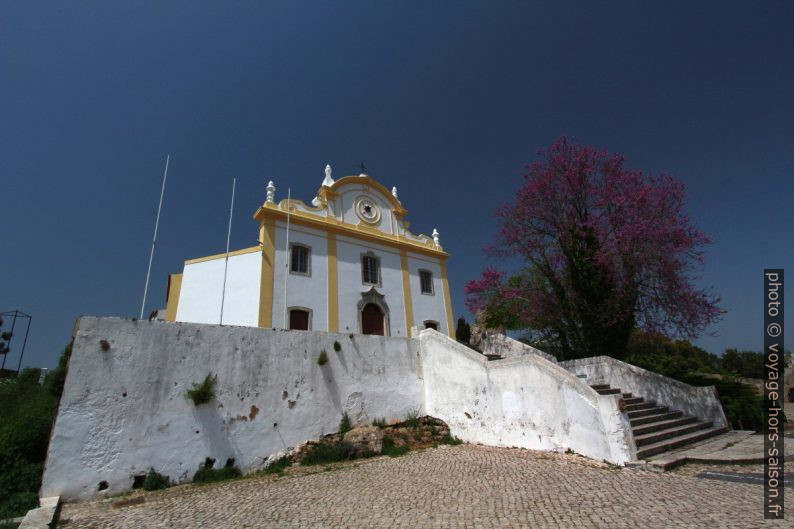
{"type": "Point", "coordinates": [493, 357]}
{"type": "Point", "coordinates": [655, 410]}
{"type": "Point", "coordinates": [661, 425]}
{"type": "Point", "coordinates": [669, 433]}
{"type": "Point", "coordinates": [647, 419]}
{"type": "Point", "coordinates": [681, 440]}
{"type": "Point", "coordinates": [626, 396]}
{"type": "Point", "coordinates": [599, 386]}
{"type": "Point", "coordinates": [633, 400]}
{"type": "Point", "coordinates": [611, 391]}
{"type": "Point", "coordinates": [640, 406]}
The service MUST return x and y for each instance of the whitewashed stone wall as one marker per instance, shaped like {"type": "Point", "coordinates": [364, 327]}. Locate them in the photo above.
{"type": "Point", "coordinates": [124, 410]}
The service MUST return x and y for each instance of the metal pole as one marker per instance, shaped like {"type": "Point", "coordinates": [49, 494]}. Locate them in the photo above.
{"type": "Point", "coordinates": [8, 345]}
{"type": "Point", "coordinates": [228, 237]}
{"type": "Point", "coordinates": [24, 342]}
{"type": "Point", "coordinates": [154, 239]}
{"type": "Point", "coordinates": [286, 260]}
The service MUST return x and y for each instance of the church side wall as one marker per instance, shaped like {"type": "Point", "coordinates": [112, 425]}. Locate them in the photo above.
{"type": "Point", "coordinates": [307, 291]}
{"type": "Point", "coordinates": [124, 409]}
{"type": "Point", "coordinates": [427, 307]}
{"type": "Point", "coordinates": [202, 288]}
{"type": "Point", "coordinates": [349, 252]}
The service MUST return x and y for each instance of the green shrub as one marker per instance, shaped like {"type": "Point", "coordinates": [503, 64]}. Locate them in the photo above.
{"type": "Point", "coordinates": [204, 391]}
{"type": "Point", "coordinates": [337, 346]}
{"type": "Point", "coordinates": [206, 474]}
{"type": "Point", "coordinates": [26, 416]}
{"type": "Point", "coordinates": [323, 358]}
{"type": "Point", "coordinates": [380, 423]}
{"type": "Point", "coordinates": [391, 450]}
{"type": "Point", "coordinates": [156, 481]}
{"type": "Point", "coordinates": [344, 424]}
{"type": "Point", "coordinates": [329, 453]}
{"type": "Point", "coordinates": [450, 439]}
{"type": "Point", "coordinates": [278, 466]}
{"type": "Point", "coordinates": [56, 378]}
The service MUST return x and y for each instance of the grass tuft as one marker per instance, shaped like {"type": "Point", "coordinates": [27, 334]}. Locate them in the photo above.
{"type": "Point", "coordinates": [323, 358]}
{"type": "Point", "coordinates": [156, 481]}
{"type": "Point", "coordinates": [329, 453]}
{"type": "Point", "coordinates": [344, 424]}
{"type": "Point", "coordinates": [391, 450]}
{"type": "Point", "coordinates": [204, 391]}
{"type": "Point", "coordinates": [207, 474]}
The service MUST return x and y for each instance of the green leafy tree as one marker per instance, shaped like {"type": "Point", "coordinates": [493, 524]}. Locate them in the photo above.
{"type": "Point", "coordinates": [747, 364]}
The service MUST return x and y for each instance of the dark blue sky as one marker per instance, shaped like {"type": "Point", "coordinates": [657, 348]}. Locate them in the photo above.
{"type": "Point", "coordinates": [445, 100]}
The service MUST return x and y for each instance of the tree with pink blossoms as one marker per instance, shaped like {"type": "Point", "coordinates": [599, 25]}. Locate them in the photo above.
{"type": "Point", "coordinates": [603, 250]}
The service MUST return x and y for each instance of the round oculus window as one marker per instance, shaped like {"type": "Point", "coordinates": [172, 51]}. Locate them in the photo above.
{"type": "Point", "coordinates": [367, 210]}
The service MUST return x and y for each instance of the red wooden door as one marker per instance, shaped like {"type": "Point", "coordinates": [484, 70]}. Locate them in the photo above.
{"type": "Point", "coordinates": [299, 320]}
{"type": "Point", "coordinates": [371, 320]}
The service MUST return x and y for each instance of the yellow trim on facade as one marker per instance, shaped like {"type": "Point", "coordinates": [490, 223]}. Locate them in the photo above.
{"type": "Point", "coordinates": [222, 255]}
{"type": "Point", "coordinates": [333, 286]}
{"type": "Point", "coordinates": [174, 288]}
{"type": "Point", "coordinates": [332, 224]}
{"type": "Point", "coordinates": [407, 299]}
{"type": "Point", "coordinates": [447, 299]}
{"type": "Point", "coordinates": [267, 238]}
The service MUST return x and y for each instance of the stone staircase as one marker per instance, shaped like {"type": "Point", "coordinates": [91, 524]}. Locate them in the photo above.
{"type": "Point", "coordinates": [657, 429]}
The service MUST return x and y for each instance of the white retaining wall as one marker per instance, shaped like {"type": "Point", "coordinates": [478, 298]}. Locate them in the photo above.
{"type": "Point", "coordinates": [124, 410]}
{"type": "Point", "coordinates": [524, 401]}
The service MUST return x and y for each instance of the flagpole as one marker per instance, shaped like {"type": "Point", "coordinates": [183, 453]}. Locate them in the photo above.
{"type": "Point", "coordinates": [228, 238]}
{"type": "Point", "coordinates": [286, 260]}
{"type": "Point", "coordinates": [154, 239]}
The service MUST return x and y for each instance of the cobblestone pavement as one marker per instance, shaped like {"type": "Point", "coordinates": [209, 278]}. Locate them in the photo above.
{"type": "Point", "coordinates": [448, 487]}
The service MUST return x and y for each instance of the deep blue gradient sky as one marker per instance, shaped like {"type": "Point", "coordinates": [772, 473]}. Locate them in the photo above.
{"type": "Point", "coordinates": [446, 100]}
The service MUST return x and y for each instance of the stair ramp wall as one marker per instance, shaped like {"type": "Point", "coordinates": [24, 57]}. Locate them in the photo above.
{"type": "Point", "coordinates": [524, 400]}
{"type": "Point", "coordinates": [700, 402]}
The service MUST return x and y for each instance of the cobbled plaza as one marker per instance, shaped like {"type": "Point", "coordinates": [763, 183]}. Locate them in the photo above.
{"type": "Point", "coordinates": [466, 486]}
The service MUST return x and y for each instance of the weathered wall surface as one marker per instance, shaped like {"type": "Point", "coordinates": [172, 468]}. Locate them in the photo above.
{"type": "Point", "coordinates": [124, 410]}
{"type": "Point", "coordinates": [525, 401]}
{"type": "Point", "coordinates": [506, 347]}
{"type": "Point", "coordinates": [700, 402]}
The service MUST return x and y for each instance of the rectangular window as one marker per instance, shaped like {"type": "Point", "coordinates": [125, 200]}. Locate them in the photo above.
{"type": "Point", "coordinates": [426, 281]}
{"type": "Point", "coordinates": [299, 259]}
{"type": "Point", "coordinates": [370, 270]}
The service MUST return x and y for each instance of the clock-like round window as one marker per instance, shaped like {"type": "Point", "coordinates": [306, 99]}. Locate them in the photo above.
{"type": "Point", "coordinates": [367, 210]}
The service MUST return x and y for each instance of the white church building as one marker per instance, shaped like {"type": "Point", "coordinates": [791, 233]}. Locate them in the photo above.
{"type": "Point", "coordinates": [346, 264]}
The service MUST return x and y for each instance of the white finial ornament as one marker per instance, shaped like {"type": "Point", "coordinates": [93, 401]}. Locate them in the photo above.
{"type": "Point", "coordinates": [271, 192]}
{"type": "Point", "coordinates": [394, 191]}
{"type": "Point", "coordinates": [328, 181]}
{"type": "Point", "coordinates": [435, 237]}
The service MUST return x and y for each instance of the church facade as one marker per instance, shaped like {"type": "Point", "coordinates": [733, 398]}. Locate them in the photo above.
{"type": "Point", "coordinates": [347, 263]}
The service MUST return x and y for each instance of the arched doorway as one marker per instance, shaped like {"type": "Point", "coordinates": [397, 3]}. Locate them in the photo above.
{"type": "Point", "coordinates": [372, 320]}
